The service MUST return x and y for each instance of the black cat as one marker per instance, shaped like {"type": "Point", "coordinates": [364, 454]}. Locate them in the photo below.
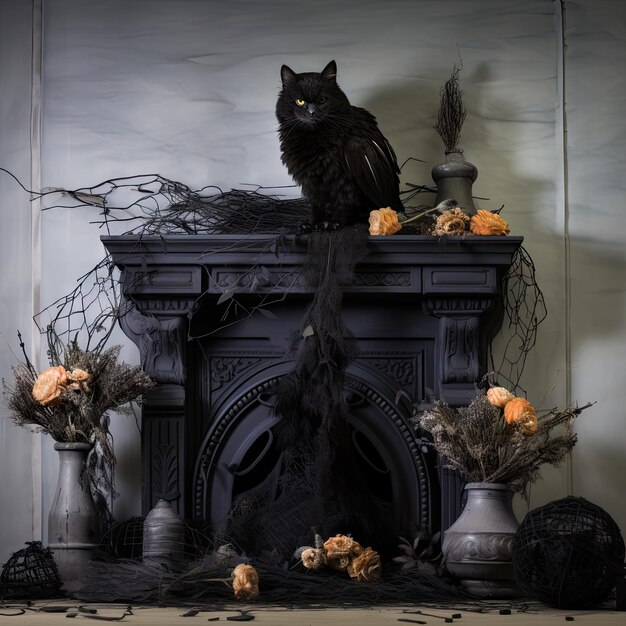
{"type": "Point", "coordinates": [334, 150]}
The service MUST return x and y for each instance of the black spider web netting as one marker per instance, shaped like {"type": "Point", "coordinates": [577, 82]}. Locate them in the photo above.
{"type": "Point", "coordinates": [524, 309]}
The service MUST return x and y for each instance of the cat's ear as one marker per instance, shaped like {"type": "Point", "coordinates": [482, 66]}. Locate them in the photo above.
{"type": "Point", "coordinates": [330, 71]}
{"type": "Point", "coordinates": [287, 75]}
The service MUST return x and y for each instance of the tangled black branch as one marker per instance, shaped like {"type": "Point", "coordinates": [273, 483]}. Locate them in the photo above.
{"type": "Point", "coordinates": [151, 204]}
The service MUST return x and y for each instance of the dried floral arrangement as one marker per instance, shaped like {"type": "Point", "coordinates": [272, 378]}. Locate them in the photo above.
{"type": "Point", "coordinates": [71, 399]}
{"type": "Point", "coordinates": [500, 438]}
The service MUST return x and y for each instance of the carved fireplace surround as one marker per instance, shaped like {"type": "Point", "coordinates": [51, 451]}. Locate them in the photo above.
{"type": "Point", "coordinates": [422, 311]}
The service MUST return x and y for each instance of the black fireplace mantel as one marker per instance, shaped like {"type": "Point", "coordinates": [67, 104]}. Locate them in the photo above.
{"type": "Point", "coordinates": [441, 298]}
{"type": "Point", "coordinates": [457, 280]}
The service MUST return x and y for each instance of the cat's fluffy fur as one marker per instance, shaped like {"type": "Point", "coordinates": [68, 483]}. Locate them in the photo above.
{"type": "Point", "coordinates": [334, 150]}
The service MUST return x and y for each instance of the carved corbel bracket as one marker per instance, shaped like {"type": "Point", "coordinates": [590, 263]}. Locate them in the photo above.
{"type": "Point", "coordinates": [460, 344]}
{"type": "Point", "coordinates": [161, 336]}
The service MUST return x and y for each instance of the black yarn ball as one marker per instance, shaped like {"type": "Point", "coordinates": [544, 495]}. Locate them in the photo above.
{"type": "Point", "coordinates": [568, 554]}
{"type": "Point", "coordinates": [30, 573]}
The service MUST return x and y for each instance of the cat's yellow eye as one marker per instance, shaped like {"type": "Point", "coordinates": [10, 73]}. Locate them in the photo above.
{"type": "Point", "coordinates": [300, 103]}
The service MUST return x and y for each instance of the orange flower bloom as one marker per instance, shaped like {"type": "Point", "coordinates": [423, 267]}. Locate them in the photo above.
{"type": "Point", "coordinates": [80, 380]}
{"type": "Point", "coordinates": [384, 222]}
{"type": "Point", "coordinates": [488, 223]}
{"type": "Point", "coordinates": [313, 558]}
{"type": "Point", "coordinates": [519, 412]}
{"type": "Point", "coordinates": [451, 222]}
{"type": "Point", "coordinates": [245, 582]}
{"type": "Point", "coordinates": [365, 567]}
{"type": "Point", "coordinates": [340, 550]}
{"type": "Point", "coordinates": [49, 385]}
{"type": "Point", "coordinates": [499, 396]}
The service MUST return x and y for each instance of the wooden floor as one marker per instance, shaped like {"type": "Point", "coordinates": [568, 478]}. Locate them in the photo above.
{"type": "Point", "coordinates": [279, 616]}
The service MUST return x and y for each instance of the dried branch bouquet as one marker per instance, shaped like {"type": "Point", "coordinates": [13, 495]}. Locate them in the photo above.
{"type": "Point", "coordinates": [71, 399]}
{"type": "Point", "coordinates": [499, 438]}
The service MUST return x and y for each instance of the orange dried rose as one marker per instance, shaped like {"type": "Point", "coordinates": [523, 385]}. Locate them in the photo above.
{"type": "Point", "coordinates": [451, 222]}
{"type": "Point", "coordinates": [79, 376]}
{"type": "Point", "coordinates": [519, 412]}
{"type": "Point", "coordinates": [245, 582]}
{"type": "Point", "coordinates": [313, 558]}
{"type": "Point", "coordinates": [80, 379]}
{"type": "Point", "coordinates": [49, 385]}
{"type": "Point", "coordinates": [342, 543]}
{"type": "Point", "coordinates": [499, 396]}
{"type": "Point", "coordinates": [340, 550]}
{"type": "Point", "coordinates": [488, 223]}
{"type": "Point", "coordinates": [517, 409]}
{"type": "Point", "coordinates": [365, 567]}
{"type": "Point", "coordinates": [384, 222]}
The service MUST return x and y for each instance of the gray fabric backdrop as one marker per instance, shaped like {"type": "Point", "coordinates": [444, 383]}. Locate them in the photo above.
{"type": "Point", "coordinates": [187, 88]}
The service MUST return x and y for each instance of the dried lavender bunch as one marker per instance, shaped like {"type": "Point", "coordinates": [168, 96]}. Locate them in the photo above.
{"type": "Point", "coordinates": [452, 113]}
{"type": "Point", "coordinates": [484, 445]}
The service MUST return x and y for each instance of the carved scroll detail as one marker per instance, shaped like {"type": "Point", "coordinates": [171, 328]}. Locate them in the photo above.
{"type": "Point", "coordinates": [479, 547]}
{"type": "Point", "coordinates": [224, 369]}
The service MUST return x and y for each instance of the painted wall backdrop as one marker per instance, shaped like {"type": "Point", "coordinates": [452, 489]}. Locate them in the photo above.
{"type": "Point", "coordinates": [16, 470]}
{"type": "Point", "coordinates": [187, 89]}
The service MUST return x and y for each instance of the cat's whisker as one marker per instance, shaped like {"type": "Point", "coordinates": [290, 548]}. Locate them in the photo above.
{"type": "Point", "coordinates": [294, 125]}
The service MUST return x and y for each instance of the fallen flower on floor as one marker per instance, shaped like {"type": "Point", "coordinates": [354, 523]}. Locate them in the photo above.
{"type": "Point", "coordinates": [366, 567]}
{"type": "Point", "coordinates": [245, 582]}
{"type": "Point", "coordinates": [340, 550]}
{"type": "Point", "coordinates": [342, 553]}
{"type": "Point", "coordinates": [313, 558]}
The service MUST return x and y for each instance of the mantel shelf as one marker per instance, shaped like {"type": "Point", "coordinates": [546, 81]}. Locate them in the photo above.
{"type": "Point", "coordinates": [191, 265]}
{"type": "Point", "coordinates": [214, 249]}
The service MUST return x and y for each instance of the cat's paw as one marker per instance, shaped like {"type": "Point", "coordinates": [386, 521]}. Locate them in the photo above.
{"type": "Point", "coordinates": [304, 228]}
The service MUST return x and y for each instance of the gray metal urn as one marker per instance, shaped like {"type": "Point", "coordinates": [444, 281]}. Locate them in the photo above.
{"type": "Point", "coordinates": [454, 179]}
{"type": "Point", "coordinates": [73, 521]}
{"type": "Point", "coordinates": [477, 548]}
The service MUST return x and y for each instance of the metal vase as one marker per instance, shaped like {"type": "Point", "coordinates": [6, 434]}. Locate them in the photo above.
{"type": "Point", "coordinates": [73, 521]}
{"type": "Point", "coordinates": [478, 547]}
{"type": "Point", "coordinates": [454, 178]}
